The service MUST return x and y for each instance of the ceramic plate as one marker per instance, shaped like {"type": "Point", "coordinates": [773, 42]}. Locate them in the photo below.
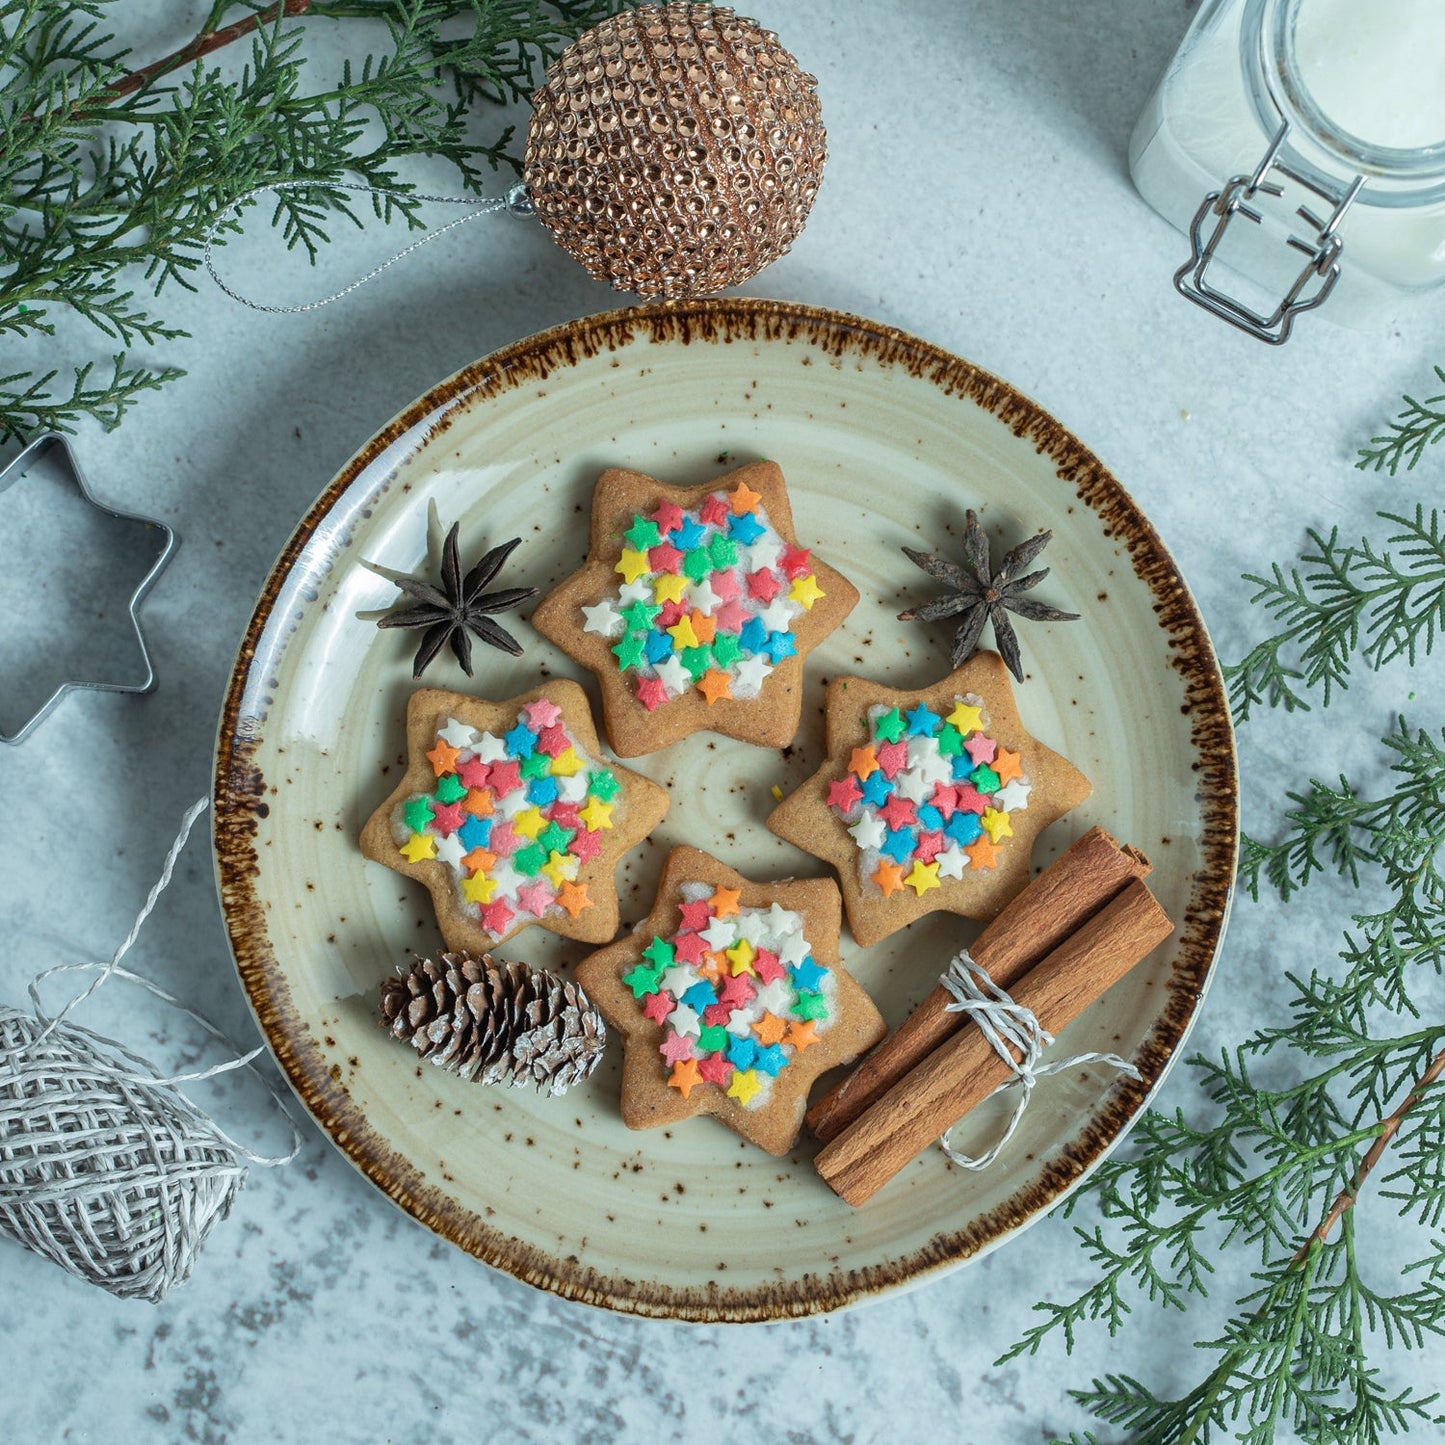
{"type": "Point", "coordinates": [884, 441]}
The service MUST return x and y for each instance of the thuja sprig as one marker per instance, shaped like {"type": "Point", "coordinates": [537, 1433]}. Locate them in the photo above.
{"type": "Point", "coordinates": [1418, 424]}
{"type": "Point", "coordinates": [112, 172]}
{"type": "Point", "coordinates": [1281, 1171]}
{"type": "Point", "coordinates": [1345, 602]}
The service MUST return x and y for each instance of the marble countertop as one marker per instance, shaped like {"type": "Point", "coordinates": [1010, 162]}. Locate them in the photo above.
{"type": "Point", "coordinates": [977, 195]}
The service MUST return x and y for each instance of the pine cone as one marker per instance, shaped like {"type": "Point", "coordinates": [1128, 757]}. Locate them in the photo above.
{"type": "Point", "coordinates": [496, 1022]}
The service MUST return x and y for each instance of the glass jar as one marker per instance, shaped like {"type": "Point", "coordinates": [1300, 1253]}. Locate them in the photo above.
{"type": "Point", "coordinates": [1301, 143]}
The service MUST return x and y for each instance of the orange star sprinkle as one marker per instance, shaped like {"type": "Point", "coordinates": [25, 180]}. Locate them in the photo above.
{"type": "Point", "coordinates": [703, 627]}
{"type": "Point", "coordinates": [863, 762]}
{"type": "Point", "coordinates": [573, 897]}
{"type": "Point", "coordinates": [800, 1035]}
{"type": "Point", "coordinates": [684, 1076]}
{"type": "Point", "coordinates": [742, 499]}
{"type": "Point", "coordinates": [725, 901]}
{"type": "Point", "coordinates": [770, 1029]}
{"type": "Point", "coordinates": [443, 757]}
{"type": "Point", "coordinates": [714, 684]}
{"type": "Point", "coordinates": [712, 966]}
{"type": "Point", "coordinates": [478, 803]}
{"type": "Point", "coordinates": [983, 854]}
{"type": "Point", "coordinates": [1006, 765]}
{"type": "Point", "coordinates": [889, 877]}
{"type": "Point", "coordinates": [479, 860]}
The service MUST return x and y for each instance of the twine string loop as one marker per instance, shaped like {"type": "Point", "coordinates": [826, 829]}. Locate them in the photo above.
{"type": "Point", "coordinates": [1018, 1038]}
{"type": "Point", "coordinates": [517, 202]}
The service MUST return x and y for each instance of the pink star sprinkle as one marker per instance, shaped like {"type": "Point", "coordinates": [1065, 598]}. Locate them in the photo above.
{"type": "Point", "coordinates": [664, 558]}
{"type": "Point", "coordinates": [844, 793]}
{"type": "Point", "coordinates": [892, 758]}
{"type": "Point", "coordinates": [737, 992]}
{"type": "Point", "coordinates": [675, 1047]}
{"type": "Point", "coordinates": [695, 915]}
{"type": "Point", "coordinates": [796, 562]}
{"type": "Point", "coordinates": [767, 966]}
{"type": "Point", "coordinates": [447, 818]}
{"type": "Point", "coordinates": [584, 845]}
{"type": "Point", "coordinates": [980, 748]}
{"type": "Point", "coordinates": [945, 799]}
{"type": "Point", "coordinates": [473, 773]}
{"type": "Point", "coordinates": [553, 740]}
{"type": "Point", "coordinates": [929, 846]}
{"type": "Point", "coordinates": [668, 516]}
{"type": "Point", "coordinates": [497, 918]}
{"type": "Point", "coordinates": [506, 778]}
{"type": "Point", "coordinates": [716, 1069]}
{"type": "Point", "coordinates": [541, 713]}
{"type": "Point", "coordinates": [714, 512]}
{"type": "Point", "coordinates": [689, 947]}
{"type": "Point", "coordinates": [898, 812]}
{"type": "Point", "coordinates": [565, 815]}
{"type": "Point", "coordinates": [763, 585]}
{"type": "Point", "coordinates": [732, 616]}
{"type": "Point", "coordinates": [726, 583]}
{"type": "Point", "coordinates": [672, 613]}
{"type": "Point", "coordinates": [715, 1013]}
{"type": "Point", "coordinates": [535, 898]}
{"type": "Point", "coordinates": [970, 800]}
{"type": "Point", "coordinates": [651, 693]}
{"type": "Point", "coordinates": [658, 1006]}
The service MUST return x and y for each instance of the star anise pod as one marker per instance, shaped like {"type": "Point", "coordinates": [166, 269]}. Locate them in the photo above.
{"type": "Point", "coordinates": [457, 606]}
{"type": "Point", "coordinates": [979, 594]}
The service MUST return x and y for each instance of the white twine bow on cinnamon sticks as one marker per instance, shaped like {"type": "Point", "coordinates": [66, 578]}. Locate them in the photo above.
{"type": "Point", "coordinates": [1071, 934]}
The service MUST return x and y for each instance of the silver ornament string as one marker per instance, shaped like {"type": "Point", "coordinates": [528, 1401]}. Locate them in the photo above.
{"type": "Point", "coordinates": [1018, 1038]}
{"type": "Point", "coordinates": [105, 1168]}
{"type": "Point", "coordinates": [517, 201]}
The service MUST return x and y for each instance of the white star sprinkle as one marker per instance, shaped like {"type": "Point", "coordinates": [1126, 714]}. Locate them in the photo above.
{"type": "Point", "coordinates": [911, 784]}
{"type": "Point", "coordinates": [489, 748]}
{"type": "Point", "coordinates": [603, 619]}
{"type": "Point", "coordinates": [701, 595]}
{"type": "Point", "coordinates": [868, 830]}
{"type": "Point", "coordinates": [775, 997]}
{"type": "Point", "coordinates": [1014, 794]}
{"type": "Point", "coordinates": [765, 551]}
{"type": "Point", "coordinates": [678, 980]}
{"type": "Point", "coordinates": [638, 591]}
{"type": "Point", "coordinates": [751, 925]}
{"type": "Point", "coordinates": [952, 861]}
{"type": "Point", "coordinates": [673, 675]}
{"type": "Point", "coordinates": [458, 734]}
{"type": "Point", "coordinates": [794, 948]}
{"type": "Point", "coordinates": [719, 934]}
{"type": "Point", "coordinates": [684, 1021]}
{"type": "Point", "coordinates": [777, 616]}
{"type": "Point", "coordinates": [748, 677]}
{"type": "Point", "coordinates": [740, 1021]}
{"type": "Point", "coordinates": [573, 789]}
{"type": "Point", "coordinates": [451, 850]}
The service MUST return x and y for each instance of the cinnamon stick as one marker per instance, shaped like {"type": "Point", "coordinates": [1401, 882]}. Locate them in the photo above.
{"type": "Point", "coordinates": [961, 1072]}
{"type": "Point", "coordinates": [1079, 882]}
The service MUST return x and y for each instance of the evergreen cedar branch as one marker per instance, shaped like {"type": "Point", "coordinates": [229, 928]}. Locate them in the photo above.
{"type": "Point", "coordinates": [112, 173]}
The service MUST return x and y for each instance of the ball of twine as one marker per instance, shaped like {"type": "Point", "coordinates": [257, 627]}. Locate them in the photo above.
{"type": "Point", "coordinates": [116, 1179]}
{"type": "Point", "coordinates": [675, 150]}
{"type": "Point", "coordinates": [105, 1167]}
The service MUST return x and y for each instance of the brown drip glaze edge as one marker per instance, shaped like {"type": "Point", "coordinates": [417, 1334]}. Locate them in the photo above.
{"type": "Point", "coordinates": [240, 803]}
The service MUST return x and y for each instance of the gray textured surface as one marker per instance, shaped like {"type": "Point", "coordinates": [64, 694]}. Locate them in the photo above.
{"type": "Point", "coordinates": [976, 195]}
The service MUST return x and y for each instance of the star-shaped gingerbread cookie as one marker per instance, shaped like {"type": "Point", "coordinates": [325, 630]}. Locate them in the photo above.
{"type": "Point", "coordinates": [731, 1000]}
{"type": "Point", "coordinates": [929, 799]}
{"type": "Point", "coordinates": [696, 607]}
{"type": "Point", "coordinates": [510, 816]}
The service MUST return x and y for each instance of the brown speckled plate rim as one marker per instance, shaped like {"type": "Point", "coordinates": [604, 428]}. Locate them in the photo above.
{"type": "Point", "coordinates": [240, 803]}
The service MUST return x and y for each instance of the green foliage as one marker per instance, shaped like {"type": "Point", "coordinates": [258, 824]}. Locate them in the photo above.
{"type": "Point", "coordinates": [1377, 604]}
{"type": "Point", "coordinates": [1418, 425]}
{"type": "Point", "coordinates": [110, 177]}
{"type": "Point", "coordinates": [1296, 1122]}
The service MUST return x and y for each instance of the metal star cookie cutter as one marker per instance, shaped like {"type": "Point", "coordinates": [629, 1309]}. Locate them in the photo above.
{"type": "Point", "coordinates": [36, 452]}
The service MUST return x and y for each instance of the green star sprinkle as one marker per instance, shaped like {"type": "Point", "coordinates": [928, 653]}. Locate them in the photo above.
{"type": "Point", "coordinates": [713, 1039]}
{"type": "Point", "coordinates": [555, 838]}
{"type": "Point", "coordinates": [986, 780]}
{"type": "Point", "coordinates": [640, 616]}
{"type": "Point", "coordinates": [642, 980]}
{"type": "Point", "coordinates": [726, 649]}
{"type": "Point", "coordinates": [628, 652]}
{"type": "Point", "coordinates": [450, 789]}
{"type": "Point", "coordinates": [661, 952]}
{"type": "Point", "coordinates": [535, 765]}
{"type": "Point", "coordinates": [602, 784]}
{"type": "Point", "coordinates": [530, 860]}
{"type": "Point", "coordinates": [810, 1005]}
{"type": "Point", "coordinates": [642, 535]}
{"type": "Point", "coordinates": [417, 814]}
{"type": "Point", "coordinates": [890, 727]}
{"type": "Point", "coordinates": [696, 565]}
{"type": "Point", "coordinates": [697, 660]}
{"type": "Point", "coordinates": [950, 741]}
{"type": "Point", "coordinates": [723, 551]}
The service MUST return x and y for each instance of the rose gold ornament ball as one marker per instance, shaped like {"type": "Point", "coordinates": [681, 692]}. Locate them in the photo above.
{"type": "Point", "coordinates": [675, 150]}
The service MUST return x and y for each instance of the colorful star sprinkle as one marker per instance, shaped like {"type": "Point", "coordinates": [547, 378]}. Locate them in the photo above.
{"type": "Point", "coordinates": [529, 826]}
{"type": "Point", "coordinates": [928, 800]}
{"type": "Point", "coordinates": [936, 796]}
{"type": "Point", "coordinates": [509, 816]}
{"type": "Point", "coordinates": [708, 598]}
{"type": "Point", "coordinates": [734, 1021]}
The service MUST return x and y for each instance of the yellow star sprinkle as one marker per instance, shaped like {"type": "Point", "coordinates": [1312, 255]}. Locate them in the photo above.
{"type": "Point", "coordinates": [682, 634]}
{"type": "Point", "coordinates": [561, 868]}
{"type": "Point", "coordinates": [419, 846]}
{"type": "Point", "coordinates": [966, 718]}
{"type": "Point", "coordinates": [566, 763]}
{"type": "Point", "coordinates": [805, 590]}
{"type": "Point", "coordinates": [740, 955]}
{"type": "Point", "coordinates": [669, 587]}
{"type": "Point", "coordinates": [923, 877]}
{"type": "Point", "coordinates": [529, 822]}
{"type": "Point", "coordinates": [632, 564]}
{"type": "Point", "coordinates": [744, 1085]}
{"type": "Point", "coordinates": [596, 815]}
{"type": "Point", "coordinates": [996, 825]}
{"type": "Point", "coordinates": [479, 888]}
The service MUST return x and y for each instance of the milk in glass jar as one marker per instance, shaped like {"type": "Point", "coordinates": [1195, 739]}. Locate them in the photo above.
{"type": "Point", "coordinates": [1300, 144]}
